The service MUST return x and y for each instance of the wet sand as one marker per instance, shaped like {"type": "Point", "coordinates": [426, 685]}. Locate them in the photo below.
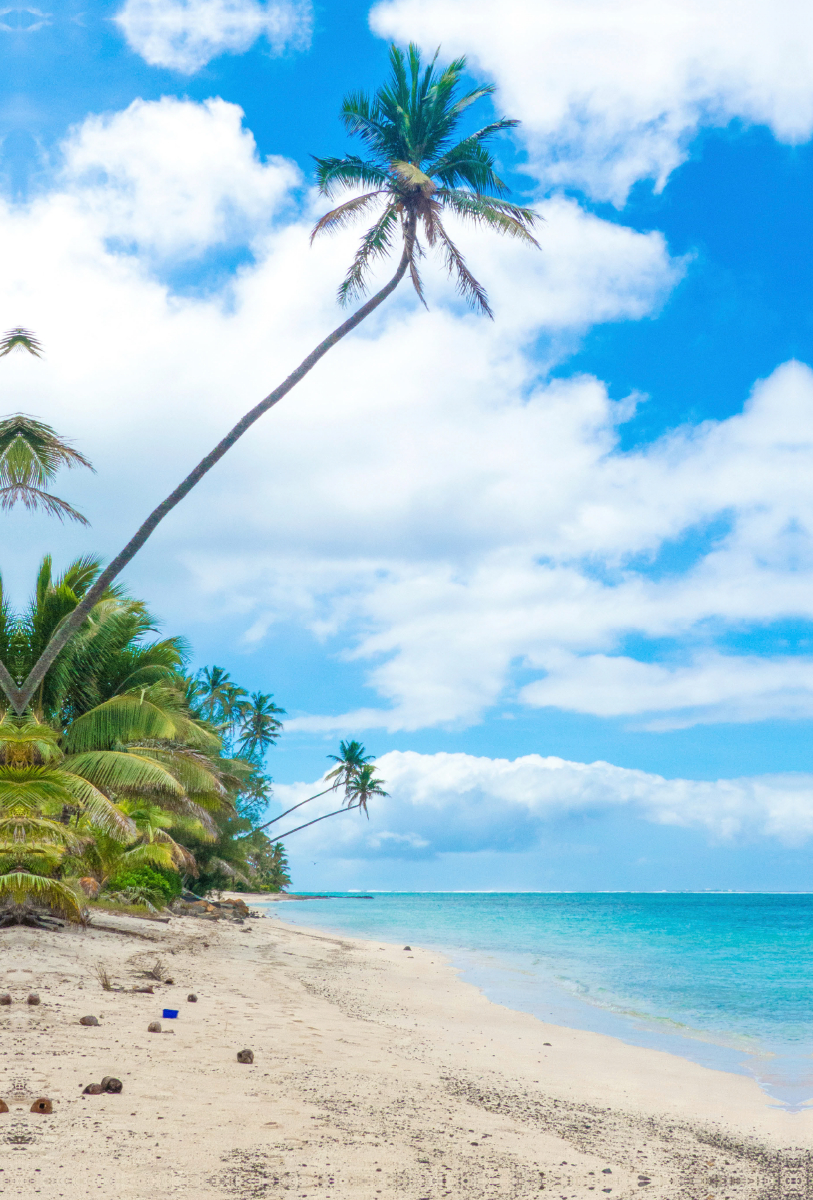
{"type": "Point", "coordinates": [376, 1072]}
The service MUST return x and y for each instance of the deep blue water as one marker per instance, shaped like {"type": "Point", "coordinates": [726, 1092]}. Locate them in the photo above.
{"type": "Point", "coordinates": [726, 980]}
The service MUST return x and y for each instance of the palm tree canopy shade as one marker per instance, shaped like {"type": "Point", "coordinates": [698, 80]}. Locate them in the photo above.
{"type": "Point", "coordinates": [415, 172]}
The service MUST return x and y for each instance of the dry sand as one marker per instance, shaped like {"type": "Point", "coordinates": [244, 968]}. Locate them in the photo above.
{"type": "Point", "coordinates": [376, 1073]}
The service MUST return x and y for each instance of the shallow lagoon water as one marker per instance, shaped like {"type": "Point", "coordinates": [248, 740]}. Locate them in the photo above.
{"type": "Point", "coordinates": [723, 979]}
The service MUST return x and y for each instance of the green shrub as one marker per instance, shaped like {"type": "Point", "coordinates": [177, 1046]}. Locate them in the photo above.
{"type": "Point", "coordinates": [160, 887]}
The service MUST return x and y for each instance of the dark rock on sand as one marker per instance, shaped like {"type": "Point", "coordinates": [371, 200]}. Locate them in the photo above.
{"type": "Point", "coordinates": [192, 998]}
{"type": "Point", "coordinates": [154, 1027]}
{"type": "Point", "coordinates": [111, 1085]}
{"type": "Point", "coordinates": [93, 1089]}
{"type": "Point", "coordinates": [5, 998]}
{"type": "Point", "coordinates": [245, 1056]}
{"type": "Point", "coordinates": [33, 998]}
{"type": "Point", "coordinates": [89, 1020]}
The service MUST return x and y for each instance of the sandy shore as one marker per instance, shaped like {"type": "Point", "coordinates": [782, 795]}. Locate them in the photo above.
{"type": "Point", "coordinates": [376, 1073]}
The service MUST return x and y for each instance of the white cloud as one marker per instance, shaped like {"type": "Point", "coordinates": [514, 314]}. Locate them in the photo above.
{"type": "Point", "coordinates": [173, 177]}
{"type": "Point", "coordinates": [458, 802]}
{"type": "Point", "coordinates": [612, 91]}
{"type": "Point", "coordinates": [184, 35]}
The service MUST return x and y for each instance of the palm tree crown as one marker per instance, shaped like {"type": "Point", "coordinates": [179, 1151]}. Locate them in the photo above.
{"type": "Point", "coordinates": [416, 172]}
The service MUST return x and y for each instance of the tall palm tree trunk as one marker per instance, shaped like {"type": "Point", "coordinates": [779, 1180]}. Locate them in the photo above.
{"type": "Point", "coordinates": [20, 697]}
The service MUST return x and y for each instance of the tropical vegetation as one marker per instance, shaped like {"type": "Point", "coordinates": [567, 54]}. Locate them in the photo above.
{"type": "Point", "coordinates": [128, 779]}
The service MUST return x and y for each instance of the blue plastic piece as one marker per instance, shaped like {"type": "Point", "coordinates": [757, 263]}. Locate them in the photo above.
{"type": "Point", "coordinates": [170, 1013]}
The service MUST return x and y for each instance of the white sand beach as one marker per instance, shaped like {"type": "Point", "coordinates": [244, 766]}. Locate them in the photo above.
{"type": "Point", "coordinates": [376, 1072]}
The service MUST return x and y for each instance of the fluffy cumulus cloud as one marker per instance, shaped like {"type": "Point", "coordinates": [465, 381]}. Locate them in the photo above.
{"type": "Point", "coordinates": [428, 501]}
{"type": "Point", "coordinates": [144, 177]}
{"type": "Point", "coordinates": [184, 35]}
{"type": "Point", "coordinates": [441, 803]}
{"type": "Point", "coordinates": [612, 91]}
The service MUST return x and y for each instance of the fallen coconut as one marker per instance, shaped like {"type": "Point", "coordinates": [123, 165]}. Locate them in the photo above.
{"type": "Point", "coordinates": [93, 1089]}
{"type": "Point", "coordinates": [245, 1056]}
{"type": "Point", "coordinates": [5, 998]}
{"type": "Point", "coordinates": [33, 998]}
{"type": "Point", "coordinates": [91, 1020]}
{"type": "Point", "coordinates": [43, 1105]}
{"type": "Point", "coordinates": [111, 1085]}
{"type": "Point", "coordinates": [3, 1106]}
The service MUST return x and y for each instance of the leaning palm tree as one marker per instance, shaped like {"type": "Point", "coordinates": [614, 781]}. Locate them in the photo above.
{"type": "Point", "coordinates": [419, 174]}
{"type": "Point", "coordinates": [350, 759]}
{"type": "Point", "coordinates": [357, 793]}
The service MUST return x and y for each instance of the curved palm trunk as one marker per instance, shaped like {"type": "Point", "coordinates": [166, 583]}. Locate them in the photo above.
{"type": "Point", "coordinates": [315, 821]}
{"type": "Point", "coordinates": [274, 820]}
{"type": "Point", "coordinates": [20, 697]}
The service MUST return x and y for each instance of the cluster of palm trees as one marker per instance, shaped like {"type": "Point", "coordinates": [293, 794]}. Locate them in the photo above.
{"type": "Point", "coordinates": [125, 762]}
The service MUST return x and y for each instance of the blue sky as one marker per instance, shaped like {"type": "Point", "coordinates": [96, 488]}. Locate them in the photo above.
{"type": "Point", "coordinates": [582, 533]}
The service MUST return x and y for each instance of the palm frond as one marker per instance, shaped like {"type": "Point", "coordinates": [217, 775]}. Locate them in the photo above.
{"type": "Point", "coordinates": [338, 174]}
{"type": "Point", "coordinates": [344, 215]}
{"type": "Point", "coordinates": [511, 219]}
{"type": "Point", "coordinates": [375, 244]}
{"type": "Point", "coordinates": [123, 773]}
{"type": "Point", "coordinates": [465, 283]}
{"type": "Point", "coordinates": [22, 886]}
{"type": "Point", "coordinates": [20, 339]}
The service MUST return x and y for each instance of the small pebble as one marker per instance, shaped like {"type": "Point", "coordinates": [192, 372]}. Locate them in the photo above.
{"type": "Point", "coordinates": [89, 1020]}
{"type": "Point", "coordinates": [5, 998]}
{"type": "Point", "coordinates": [192, 998]}
{"type": "Point", "coordinates": [407, 947]}
{"type": "Point", "coordinates": [33, 998]}
{"type": "Point", "coordinates": [169, 981]}
{"type": "Point", "coordinates": [245, 1056]}
{"type": "Point", "coordinates": [154, 1027]}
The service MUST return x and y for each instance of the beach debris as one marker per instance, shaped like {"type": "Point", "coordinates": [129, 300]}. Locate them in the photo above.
{"type": "Point", "coordinates": [211, 910]}
{"type": "Point", "coordinates": [5, 998]}
{"type": "Point", "coordinates": [407, 947]}
{"type": "Point", "coordinates": [93, 1089]}
{"type": "Point", "coordinates": [103, 977]}
{"type": "Point", "coordinates": [546, 1043]}
{"type": "Point", "coordinates": [192, 998]}
{"type": "Point", "coordinates": [157, 971]}
{"type": "Point", "coordinates": [148, 991]}
{"type": "Point", "coordinates": [170, 1013]}
{"type": "Point", "coordinates": [43, 1105]}
{"type": "Point", "coordinates": [154, 1027]}
{"type": "Point", "coordinates": [89, 1020]}
{"type": "Point", "coordinates": [169, 982]}
{"type": "Point", "coordinates": [245, 1056]}
{"type": "Point", "coordinates": [111, 1085]}
{"type": "Point", "coordinates": [3, 1106]}
{"type": "Point", "coordinates": [33, 998]}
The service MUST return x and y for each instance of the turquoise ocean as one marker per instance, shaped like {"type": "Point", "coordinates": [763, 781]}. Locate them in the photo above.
{"type": "Point", "coordinates": [723, 979]}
